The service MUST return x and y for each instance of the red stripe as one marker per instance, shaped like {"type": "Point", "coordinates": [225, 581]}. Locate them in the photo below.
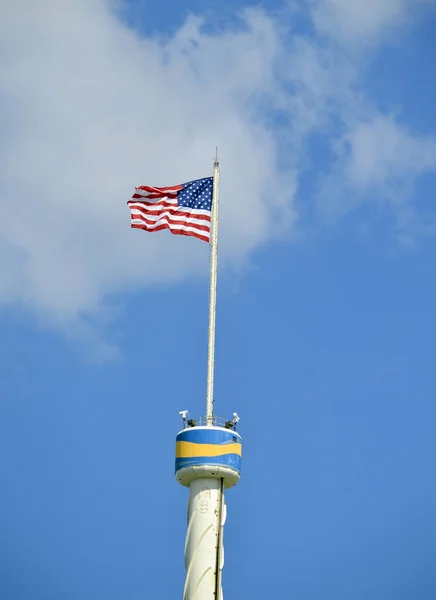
{"type": "Point", "coordinates": [172, 210]}
{"type": "Point", "coordinates": [176, 232]}
{"type": "Point", "coordinates": [148, 188]}
{"type": "Point", "coordinates": [171, 222]}
{"type": "Point", "coordinates": [160, 190]}
{"type": "Point", "coordinates": [152, 196]}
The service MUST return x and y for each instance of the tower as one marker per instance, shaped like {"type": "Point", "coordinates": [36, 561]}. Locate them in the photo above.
{"type": "Point", "coordinates": [208, 461]}
{"type": "Point", "coordinates": [208, 453]}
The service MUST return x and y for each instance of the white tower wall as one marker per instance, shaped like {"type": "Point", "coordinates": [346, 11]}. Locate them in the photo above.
{"type": "Point", "coordinates": [204, 551]}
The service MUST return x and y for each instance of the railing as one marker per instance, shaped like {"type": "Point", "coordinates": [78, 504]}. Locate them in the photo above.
{"type": "Point", "coordinates": [216, 422]}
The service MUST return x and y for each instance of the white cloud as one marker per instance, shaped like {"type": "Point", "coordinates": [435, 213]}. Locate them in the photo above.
{"type": "Point", "coordinates": [323, 83]}
{"type": "Point", "coordinates": [88, 110]}
{"type": "Point", "coordinates": [374, 157]}
{"type": "Point", "coordinates": [362, 22]}
{"type": "Point", "coordinates": [382, 152]}
{"type": "Point", "coordinates": [377, 160]}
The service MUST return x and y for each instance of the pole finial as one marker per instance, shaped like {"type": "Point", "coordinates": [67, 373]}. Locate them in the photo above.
{"type": "Point", "coordinates": [217, 160]}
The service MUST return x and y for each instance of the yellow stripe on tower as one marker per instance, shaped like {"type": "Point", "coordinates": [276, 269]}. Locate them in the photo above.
{"type": "Point", "coordinates": [191, 450]}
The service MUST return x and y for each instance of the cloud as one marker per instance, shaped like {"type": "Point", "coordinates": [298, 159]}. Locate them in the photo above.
{"type": "Point", "coordinates": [88, 109]}
{"type": "Point", "coordinates": [377, 160]}
{"type": "Point", "coordinates": [382, 152]}
{"type": "Point", "coordinates": [371, 157]}
{"type": "Point", "coordinates": [356, 22]}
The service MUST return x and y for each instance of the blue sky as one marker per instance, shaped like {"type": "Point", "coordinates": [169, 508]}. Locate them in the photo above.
{"type": "Point", "coordinates": [324, 115]}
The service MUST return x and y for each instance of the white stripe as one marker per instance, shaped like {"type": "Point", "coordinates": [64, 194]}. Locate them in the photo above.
{"type": "Point", "coordinates": [152, 207]}
{"type": "Point", "coordinates": [156, 209]}
{"type": "Point", "coordinates": [172, 201]}
{"type": "Point", "coordinates": [174, 216]}
{"type": "Point", "coordinates": [171, 226]}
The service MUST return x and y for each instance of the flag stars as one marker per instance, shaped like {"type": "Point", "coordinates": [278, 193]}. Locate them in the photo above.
{"type": "Point", "coordinates": [196, 194]}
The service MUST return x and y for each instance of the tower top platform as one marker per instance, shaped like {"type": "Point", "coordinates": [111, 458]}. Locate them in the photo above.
{"type": "Point", "coordinates": [216, 422]}
{"type": "Point", "coordinates": [204, 451]}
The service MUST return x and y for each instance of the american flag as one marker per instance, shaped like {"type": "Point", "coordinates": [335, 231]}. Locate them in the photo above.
{"type": "Point", "coordinates": [183, 209]}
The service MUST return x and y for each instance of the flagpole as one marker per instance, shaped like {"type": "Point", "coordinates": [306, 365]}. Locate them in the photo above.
{"type": "Point", "coordinates": [212, 291]}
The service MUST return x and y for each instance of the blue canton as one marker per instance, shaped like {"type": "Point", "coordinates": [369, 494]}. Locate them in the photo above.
{"type": "Point", "coordinates": [196, 194]}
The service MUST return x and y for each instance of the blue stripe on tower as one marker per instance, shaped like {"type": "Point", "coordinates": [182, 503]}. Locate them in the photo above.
{"type": "Point", "coordinates": [233, 461]}
{"type": "Point", "coordinates": [208, 436]}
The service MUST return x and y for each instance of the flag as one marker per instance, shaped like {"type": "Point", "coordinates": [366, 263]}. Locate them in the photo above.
{"type": "Point", "coordinates": [183, 209]}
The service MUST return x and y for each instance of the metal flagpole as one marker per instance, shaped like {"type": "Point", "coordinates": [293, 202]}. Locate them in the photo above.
{"type": "Point", "coordinates": [212, 291]}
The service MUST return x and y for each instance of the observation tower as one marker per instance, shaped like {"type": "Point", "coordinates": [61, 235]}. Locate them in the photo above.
{"type": "Point", "coordinates": [208, 461]}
